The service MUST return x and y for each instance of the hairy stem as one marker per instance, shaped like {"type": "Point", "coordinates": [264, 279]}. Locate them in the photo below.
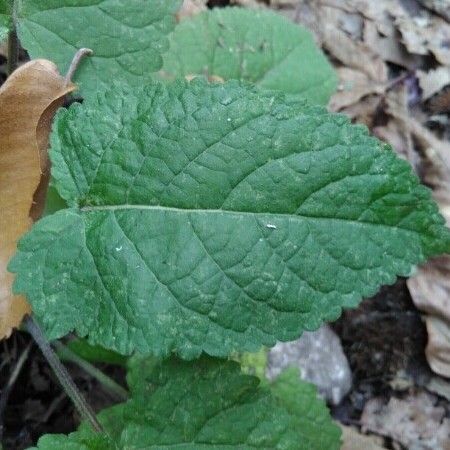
{"type": "Point", "coordinates": [79, 55]}
{"type": "Point", "coordinates": [63, 376]}
{"type": "Point", "coordinates": [68, 355]}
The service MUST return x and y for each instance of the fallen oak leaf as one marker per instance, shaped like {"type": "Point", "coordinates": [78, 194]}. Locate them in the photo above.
{"type": "Point", "coordinates": [441, 7]}
{"type": "Point", "coordinates": [34, 91]}
{"type": "Point", "coordinates": [353, 86]}
{"type": "Point", "coordinates": [429, 287]}
{"type": "Point", "coordinates": [434, 81]}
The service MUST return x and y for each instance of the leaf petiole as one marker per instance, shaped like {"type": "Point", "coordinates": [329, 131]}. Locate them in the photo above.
{"type": "Point", "coordinates": [68, 355]}
{"type": "Point", "coordinates": [79, 55]}
{"type": "Point", "coordinates": [63, 376]}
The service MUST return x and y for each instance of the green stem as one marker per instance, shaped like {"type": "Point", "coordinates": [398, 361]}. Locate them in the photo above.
{"type": "Point", "coordinates": [63, 376]}
{"type": "Point", "coordinates": [68, 355]}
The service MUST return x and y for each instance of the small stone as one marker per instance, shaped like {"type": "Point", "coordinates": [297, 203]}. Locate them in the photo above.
{"type": "Point", "coordinates": [321, 361]}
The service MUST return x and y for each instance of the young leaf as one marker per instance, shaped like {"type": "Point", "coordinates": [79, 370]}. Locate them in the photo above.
{"type": "Point", "coordinates": [127, 37]}
{"type": "Point", "coordinates": [299, 398]}
{"type": "Point", "coordinates": [217, 218]}
{"type": "Point", "coordinates": [228, 42]}
{"type": "Point", "coordinates": [208, 405]}
{"type": "Point", "coordinates": [253, 363]}
{"type": "Point", "coordinates": [28, 101]}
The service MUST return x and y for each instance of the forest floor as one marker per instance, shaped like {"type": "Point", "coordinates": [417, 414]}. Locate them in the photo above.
{"type": "Point", "coordinates": [393, 60]}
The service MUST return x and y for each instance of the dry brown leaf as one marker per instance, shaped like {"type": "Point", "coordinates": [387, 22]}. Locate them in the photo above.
{"type": "Point", "coordinates": [396, 107]}
{"type": "Point", "coordinates": [442, 7]}
{"type": "Point", "coordinates": [426, 34]}
{"type": "Point", "coordinates": [248, 3]}
{"type": "Point", "coordinates": [353, 86]}
{"type": "Point", "coordinates": [363, 111]}
{"type": "Point", "coordinates": [439, 386]}
{"type": "Point", "coordinates": [433, 81]}
{"type": "Point", "coordinates": [28, 99]}
{"type": "Point", "coordinates": [211, 78]}
{"type": "Point", "coordinates": [440, 103]}
{"type": "Point", "coordinates": [416, 421]}
{"type": "Point", "coordinates": [431, 288]}
{"type": "Point", "coordinates": [335, 28]}
{"type": "Point", "coordinates": [430, 291]}
{"type": "Point", "coordinates": [396, 136]}
{"type": "Point", "coordinates": [352, 53]}
{"type": "Point", "coordinates": [354, 440]}
{"type": "Point", "coordinates": [387, 45]}
{"type": "Point", "coordinates": [438, 346]}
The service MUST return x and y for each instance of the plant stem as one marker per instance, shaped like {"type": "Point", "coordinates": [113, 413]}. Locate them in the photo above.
{"type": "Point", "coordinates": [68, 355]}
{"type": "Point", "coordinates": [13, 42]}
{"type": "Point", "coordinates": [79, 55]}
{"type": "Point", "coordinates": [63, 376]}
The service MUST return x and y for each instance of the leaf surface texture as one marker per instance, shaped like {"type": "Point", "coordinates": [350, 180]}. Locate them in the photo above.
{"type": "Point", "coordinates": [217, 218]}
{"type": "Point", "coordinates": [207, 405]}
{"type": "Point", "coordinates": [127, 37]}
{"type": "Point", "coordinates": [228, 42]}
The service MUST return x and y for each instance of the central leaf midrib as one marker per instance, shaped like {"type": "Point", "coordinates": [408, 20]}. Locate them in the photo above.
{"type": "Point", "coordinates": [292, 215]}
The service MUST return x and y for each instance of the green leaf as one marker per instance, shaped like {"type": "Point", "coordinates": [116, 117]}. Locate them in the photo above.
{"type": "Point", "coordinates": [95, 353]}
{"type": "Point", "coordinates": [53, 201]}
{"type": "Point", "coordinates": [5, 18]}
{"type": "Point", "coordinates": [253, 363]}
{"type": "Point", "coordinates": [207, 405]}
{"type": "Point", "coordinates": [299, 398]}
{"type": "Point", "coordinates": [127, 37]}
{"type": "Point", "coordinates": [217, 218]}
{"type": "Point", "coordinates": [228, 42]}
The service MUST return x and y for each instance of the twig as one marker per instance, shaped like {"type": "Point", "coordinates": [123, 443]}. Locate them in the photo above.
{"type": "Point", "coordinates": [12, 380]}
{"type": "Point", "coordinates": [68, 355]}
{"type": "Point", "coordinates": [63, 376]}
{"type": "Point", "coordinates": [79, 55]}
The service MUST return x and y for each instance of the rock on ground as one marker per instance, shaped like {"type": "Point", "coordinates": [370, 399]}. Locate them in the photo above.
{"type": "Point", "coordinates": [321, 361]}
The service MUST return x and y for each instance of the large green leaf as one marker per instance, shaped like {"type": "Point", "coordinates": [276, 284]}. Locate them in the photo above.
{"type": "Point", "coordinates": [258, 46]}
{"type": "Point", "coordinates": [208, 405]}
{"type": "Point", "coordinates": [127, 36]}
{"type": "Point", "coordinates": [217, 218]}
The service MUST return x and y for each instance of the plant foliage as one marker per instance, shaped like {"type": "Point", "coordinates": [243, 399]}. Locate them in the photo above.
{"type": "Point", "coordinates": [217, 218]}
{"type": "Point", "coordinates": [206, 218]}
{"type": "Point", "coordinates": [229, 43]}
{"type": "Point", "coordinates": [5, 18]}
{"type": "Point", "coordinates": [206, 405]}
{"type": "Point", "coordinates": [127, 37]}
